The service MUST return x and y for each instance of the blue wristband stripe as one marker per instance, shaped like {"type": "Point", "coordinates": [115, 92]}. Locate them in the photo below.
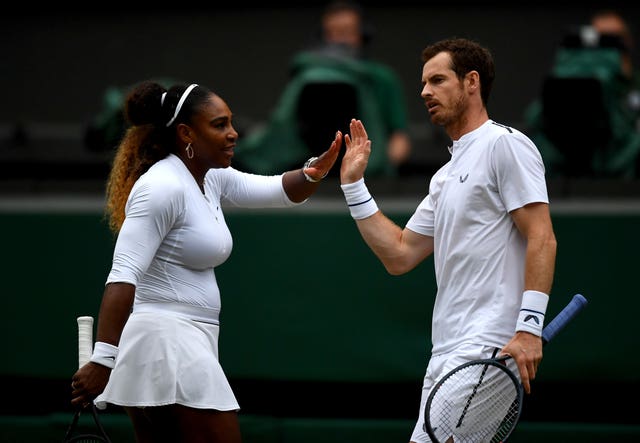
{"type": "Point", "coordinates": [361, 203]}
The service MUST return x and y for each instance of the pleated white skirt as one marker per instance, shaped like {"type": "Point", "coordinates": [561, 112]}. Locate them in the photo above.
{"type": "Point", "coordinates": [168, 359]}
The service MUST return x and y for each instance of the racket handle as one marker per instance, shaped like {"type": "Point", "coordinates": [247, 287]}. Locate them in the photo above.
{"type": "Point", "coordinates": [85, 339]}
{"type": "Point", "coordinates": [577, 303]}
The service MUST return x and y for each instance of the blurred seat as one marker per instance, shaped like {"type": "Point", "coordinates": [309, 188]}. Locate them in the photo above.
{"type": "Point", "coordinates": [322, 109]}
{"type": "Point", "coordinates": [576, 120]}
{"type": "Point", "coordinates": [581, 123]}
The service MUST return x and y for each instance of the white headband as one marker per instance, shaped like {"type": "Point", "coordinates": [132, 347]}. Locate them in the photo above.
{"type": "Point", "coordinates": [184, 96]}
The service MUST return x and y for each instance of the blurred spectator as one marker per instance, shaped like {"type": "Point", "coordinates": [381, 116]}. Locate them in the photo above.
{"type": "Point", "coordinates": [609, 22]}
{"type": "Point", "coordinates": [586, 122]}
{"type": "Point", "coordinates": [105, 130]}
{"type": "Point", "coordinates": [332, 82]}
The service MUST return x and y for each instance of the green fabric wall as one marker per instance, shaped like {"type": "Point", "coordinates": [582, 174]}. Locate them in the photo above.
{"type": "Point", "coordinates": [305, 299]}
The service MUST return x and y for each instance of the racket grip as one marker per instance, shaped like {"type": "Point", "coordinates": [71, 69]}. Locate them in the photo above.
{"type": "Point", "coordinates": [577, 303]}
{"type": "Point", "coordinates": [85, 339]}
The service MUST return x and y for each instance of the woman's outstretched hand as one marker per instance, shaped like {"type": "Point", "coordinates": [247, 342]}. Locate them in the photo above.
{"type": "Point", "coordinates": [320, 167]}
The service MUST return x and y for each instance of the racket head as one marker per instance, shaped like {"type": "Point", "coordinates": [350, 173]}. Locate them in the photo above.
{"type": "Point", "coordinates": [478, 401]}
{"type": "Point", "coordinates": [74, 435]}
{"type": "Point", "coordinates": [86, 438]}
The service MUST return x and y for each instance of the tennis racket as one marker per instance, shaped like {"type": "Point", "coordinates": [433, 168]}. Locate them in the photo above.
{"type": "Point", "coordinates": [481, 400]}
{"type": "Point", "coordinates": [85, 347]}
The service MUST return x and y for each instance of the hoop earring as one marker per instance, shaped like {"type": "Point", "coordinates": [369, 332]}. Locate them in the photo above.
{"type": "Point", "coordinates": [189, 151]}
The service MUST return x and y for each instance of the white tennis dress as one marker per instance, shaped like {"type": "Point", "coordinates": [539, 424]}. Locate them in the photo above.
{"type": "Point", "coordinates": [479, 254]}
{"type": "Point", "coordinates": [172, 239]}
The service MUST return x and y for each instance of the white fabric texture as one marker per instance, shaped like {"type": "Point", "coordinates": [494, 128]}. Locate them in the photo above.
{"type": "Point", "coordinates": [532, 312]}
{"type": "Point", "coordinates": [168, 359]}
{"type": "Point", "coordinates": [172, 239]}
{"type": "Point", "coordinates": [361, 203]}
{"type": "Point", "coordinates": [104, 354]}
{"type": "Point", "coordinates": [479, 254]}
{"type": "Point", "coordinates": [173, 236]}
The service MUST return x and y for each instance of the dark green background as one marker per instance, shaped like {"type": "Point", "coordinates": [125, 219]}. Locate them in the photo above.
{"type": "Point", "coordinates": [305, 300]}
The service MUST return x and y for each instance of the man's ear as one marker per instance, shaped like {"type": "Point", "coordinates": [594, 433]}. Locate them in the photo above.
{"type": "Point", "coordinates": [473, 81]}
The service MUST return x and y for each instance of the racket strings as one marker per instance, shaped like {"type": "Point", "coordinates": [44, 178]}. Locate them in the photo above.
{"type": "Point", "coordinates": [478, 403]}
{"type": "Point", "coordinates": [87, 439]}
{"type": "Point", "coordinates": [75, 435]}
{"type": "Point", "coordinates": [470, 399]}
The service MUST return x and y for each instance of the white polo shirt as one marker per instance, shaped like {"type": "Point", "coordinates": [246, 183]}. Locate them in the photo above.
{"type": "Point", "coordinates": [479, 255]}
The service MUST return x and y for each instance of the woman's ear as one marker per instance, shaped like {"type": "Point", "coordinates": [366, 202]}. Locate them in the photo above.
{"type": "Point", "coordinates": [184, 133]}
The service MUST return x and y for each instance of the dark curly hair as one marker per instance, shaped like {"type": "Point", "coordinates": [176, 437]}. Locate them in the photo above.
{"type": "Point", "coordinates": [149, 107]}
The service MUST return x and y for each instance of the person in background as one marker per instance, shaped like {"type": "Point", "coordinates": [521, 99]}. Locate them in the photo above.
{"type": "Point", "coordinates": [344, 25]}
{"type": "Point", "coordinates": [485, 219]}
{"type": "Point", "coordinates": [336, 68]}
{"type": "Point", "coordinates": [610, 22]}
{"type": "Point", "coordinates": [156, 350]}
{"type": "Point", "coordinates": [586, 122]}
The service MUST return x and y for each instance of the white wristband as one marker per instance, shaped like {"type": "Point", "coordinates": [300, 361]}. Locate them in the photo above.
{"type": "Point", "coordinates": [361, 203]}
{"type": "Point", "coordinates": [104, 354]}
{"type": "Point", "coordinates": [532, 311]}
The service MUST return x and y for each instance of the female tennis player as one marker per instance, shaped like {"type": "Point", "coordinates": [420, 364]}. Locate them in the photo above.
{"type": "Point", "coordinates": [156, 350]}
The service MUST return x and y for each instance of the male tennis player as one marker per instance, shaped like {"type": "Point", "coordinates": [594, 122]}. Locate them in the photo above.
{"type": "Point", "coordinates": [486, 220]}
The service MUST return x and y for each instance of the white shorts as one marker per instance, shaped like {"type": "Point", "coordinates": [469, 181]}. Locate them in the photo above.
{"type": "Point", "coordinates": [438, 366]}
{"type": "Point", "coordinates": [165, 359]}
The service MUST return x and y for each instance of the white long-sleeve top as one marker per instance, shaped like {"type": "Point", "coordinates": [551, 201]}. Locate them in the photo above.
{"type": "Point", "coordinates": [174, 236]}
